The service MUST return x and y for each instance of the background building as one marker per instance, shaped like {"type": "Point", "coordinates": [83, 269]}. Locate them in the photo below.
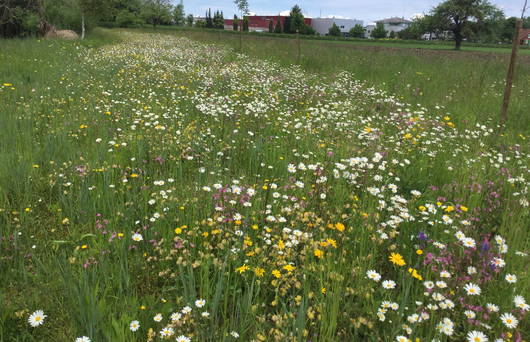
{"type": "Point", "coordinates": [260, 23]}
{"type": "Point", "coordinates": [322, 25]}
{"type": "Point", "coordinates": [395, 24]}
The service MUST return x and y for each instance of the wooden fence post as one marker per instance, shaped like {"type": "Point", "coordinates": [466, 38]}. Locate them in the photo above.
{"type": "Point", "coordinates": [298, 44]}
{"type": "Point", "coordinates": [241, 37]}
{"type": "Point", "coordinates": [509, 76]}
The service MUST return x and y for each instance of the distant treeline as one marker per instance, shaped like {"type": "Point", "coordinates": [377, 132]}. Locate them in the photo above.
{"type": "Point", "coordinates": [34, 17]}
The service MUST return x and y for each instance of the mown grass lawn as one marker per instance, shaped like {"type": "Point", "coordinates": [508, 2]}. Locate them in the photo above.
{"type": "Point", "coordinates": [159, 187]}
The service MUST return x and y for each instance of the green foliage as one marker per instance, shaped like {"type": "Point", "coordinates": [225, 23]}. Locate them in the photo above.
{"type": "Point", "coordinates": [235, 23]}
{"type": "Point", "coordinates": [278, 27]}
{"type": "Point", "coordinates": [189, 20]}
{"type": "Point", "coordinates": [463, 18]}
{"type": "Point", "coordinates": [245, 24]}
{"type": "Point", "coordinates": [392, 35]}
{"type": "Point", "coordinates": [379, 31]}
{"type": "Point", "coordinates": [271, 26]}
{"type": "Point", "coordinates": [21, 18]}
{"type": "Point", "coordinates": [334, 31]}
{"type": "Point", "coordinates": [126, 18]}
{"type": "Point", "coordinates": [297, 19]}
{"type": "Point", "coordinates": [157, 12]}
{"type": "Point", "coordinates": [242, 6]}
{"type": "Point", "coordinates": [218, 20]}
{"type": "Point", "coordinates": [178, 15]}
{"type": "Point", "coordinates": [357, 31]}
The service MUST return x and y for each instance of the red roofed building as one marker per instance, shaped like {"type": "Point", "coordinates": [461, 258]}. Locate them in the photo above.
{"type": "Point", "coordinates": [524, 37]}
{"type": "Point", "coordinates": [260, 23]}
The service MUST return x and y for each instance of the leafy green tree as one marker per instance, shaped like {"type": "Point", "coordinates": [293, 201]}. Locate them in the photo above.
{"type": "Point", "coordinates": [462, 17]}
{"type": "Point", "coordinates": [219, 20]}
{"type": "Point", "coordinates": [22, 17]}
{"type": "Point", "coordinates": [157, 12]}
{"type": "Point", "coordinates": [208, 18]}
{"type": "Point", "coordinates": [297, 19]}
{"type": "Point", "coordinates": [245, 24]}
{"type": "Point", "coordinates": [271, 26]}
{"type": "Point", "coordinates": [379, 31]}
{"type": "Point", "coordinates": [287, 25]}
{"type": "Point", "coordinates": [178, 14]}
{"type": "Point", "coordinates": [278, 28]}
{"type": "Point", "coordinates": [335, 31]}
{"type": "Point", "coordinates": [242, 6]}
{"type": "Point", "coordinates": [392, 35]}
{"type": "Point", "coordinates": [235, 23]}
{"type": "Point", "coordinates": [189, 20]}
{"type": "Point", "coordinates": [357, 31]}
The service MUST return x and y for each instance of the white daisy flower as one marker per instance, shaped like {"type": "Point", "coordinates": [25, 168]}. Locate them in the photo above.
{"type": "Point", "coordinates": [511, 278]}
{"type": "Point", "coordinates": [476, 336]}
{"type": "Point", "coordinates": [158, 318]}
{"type": "Point", "coordinates": [183, 338]}
{"type": "Point", "coordinates": [167, 332]}
{"type": "Point", "coordinates": [200, 303]}
{"type": "Point", "coordinates": [175, 316]}
{"type": "Point", "coordinates": [371, 274]}
{"type": "Point", "coordinates": [135, 325]}
{"type": "Point", "coordinates": [137, 237]}
{"type": "Point", "coordinates": [83, 339]}
{"type": "Point", "coordinates": [472, 289]}
{"type": "Point", "coordinates": [36, 318]}
{"type": "Point", "coordinates": [389, 284]}
{"type": "Point", "coordinates": [509, 320]}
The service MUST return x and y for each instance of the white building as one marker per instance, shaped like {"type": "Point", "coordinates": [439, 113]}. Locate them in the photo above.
{"type": "Point", "coordinates": [395, 24]}
{"type": "Point", "coordinates": [322, 25]}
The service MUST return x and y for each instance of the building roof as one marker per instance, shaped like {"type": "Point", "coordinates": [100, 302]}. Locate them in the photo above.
{"type": "Point", "coordinates": [524, 34]}
{"type": "Point", "coordinates": [394, 20]}
{"type": "Point", "coordinates": [262, 21]}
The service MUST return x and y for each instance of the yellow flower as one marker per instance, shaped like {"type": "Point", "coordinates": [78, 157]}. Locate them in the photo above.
{"type": "Point", "coordinates": [407, 136]}
{"type": "Point", "coordinates": [419, 252]}
{"type": "Point", "coordinates": [255, 227]}
{"type": "Point", "coordinates": [178, 230]}
{"type": "Point", "coordinates": [323, 290]}
{"type": "Point", "coordinates": [8, 84]}
{"type": "Point", "coordinates": [367, 129]}
{"type": "Point", "coordinates": [259, 272]}
{"type": "Point", "coordinates": [134, 175]}
{"type": "Point", "coordinates": [84, 247]}
{"type": "Point", "coordinates": [422, 208]}
{"type": "Point", "coordinates": [242, 269]}
{"type": "Point", "coordinates": [396, 259]}
{"type": "Point", "coordinates": [449, 208]}
{"type": "Point", "coordinates": [340, 227]}
{"type": "Point", "coordinates": [318, 253]}
{"type": "Point", "coordinates": [281, 245]}
{"type": "Point", "coordinates": [289, 268]}
{"type": "Point", "coordinates": [276, 273]}
{"type": "Point", "coordinates": [464, 209]}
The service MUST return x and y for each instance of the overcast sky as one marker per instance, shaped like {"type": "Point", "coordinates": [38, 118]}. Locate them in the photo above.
{"type": "Point", "coordinates": [367, 10]}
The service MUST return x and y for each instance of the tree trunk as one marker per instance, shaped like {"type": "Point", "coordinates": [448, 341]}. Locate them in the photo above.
{"type": "Point", "coordinates": [82, 26]}
{"type": "Point", "coordinates": [458, 40]}
{"type": "Point", "coordinates": [509, 76]}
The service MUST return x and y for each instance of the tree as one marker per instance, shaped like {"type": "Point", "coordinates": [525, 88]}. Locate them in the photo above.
{"type": "Point", "coordinates": [178, 14]}
{"type": "Point", "coordinates": [335, 31]}
{"type": "Point", "coordinates": [242, 6]}
{"type": "Point", "coordinates": [22, 17]}
{"type": "Point", "coordinates": [157, 12]}
{"type": "Point", "coordinates": [392, 35]}
{"type": "Point", "coordinates": [271, 26]}
{"type": "Point", "coordinates": [218, 20]}
{"type": "Point", "coordinates": [235, 23]}
{"type": "Point", "coordinates": [357, 31]}
{"type": "Point", "coordinates": [91, 9]}
{"type": "Point", "coordinates": [209, 20]}
{"type": "Point", "coordinates": [461, 17]}
{"type": "Point", "coordinates": [379, 31]}
{"type": "Point", "coordinates": [278, 28]}
{"type": "Point", "coordinates": [245, 24]}
{"type": "Point", "coordinates": [189, 20]}
{"type": "Point", "coordinates": [297, 19]}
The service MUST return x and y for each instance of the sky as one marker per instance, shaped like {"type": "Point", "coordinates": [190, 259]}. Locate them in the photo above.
{"type": "Point", "coordinates": [366, 10]}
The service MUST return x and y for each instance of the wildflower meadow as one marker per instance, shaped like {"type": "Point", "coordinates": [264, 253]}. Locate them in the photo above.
{"type": "Point", "coordinates": [155, 188]}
